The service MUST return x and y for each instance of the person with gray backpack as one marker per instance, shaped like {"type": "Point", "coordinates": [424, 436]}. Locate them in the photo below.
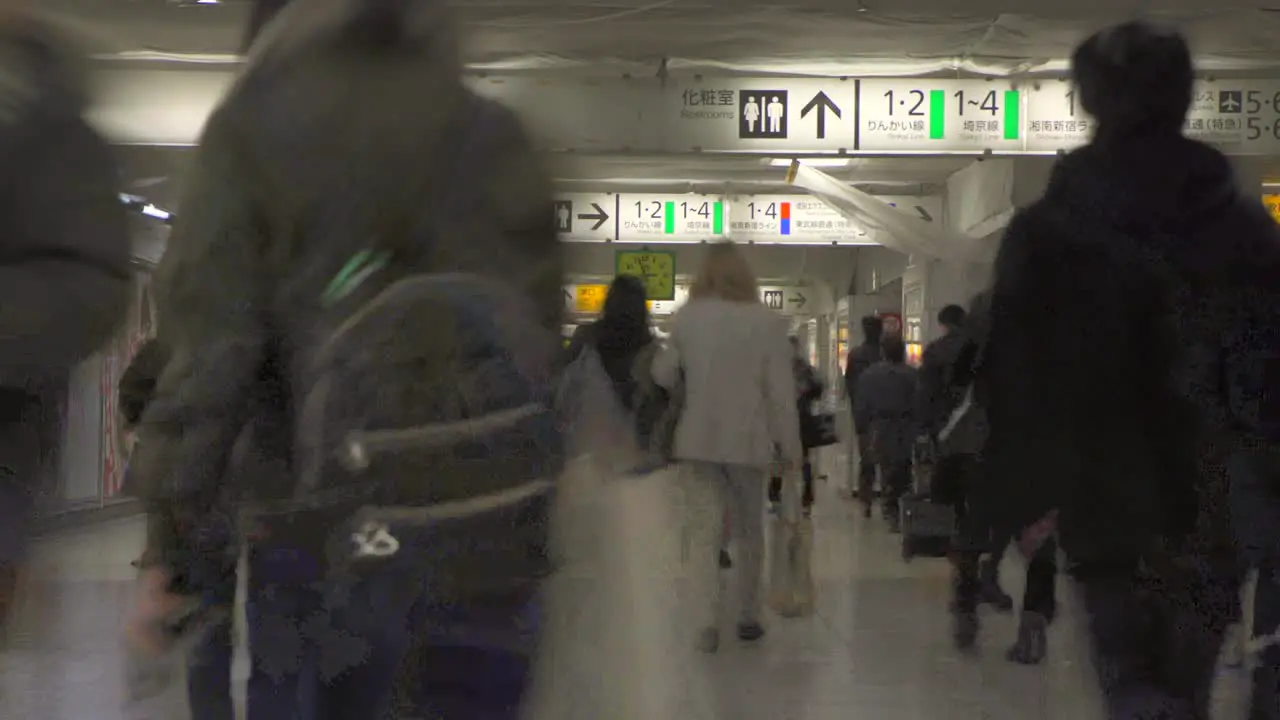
{"type": "Point", "coordinates": [382, 266]}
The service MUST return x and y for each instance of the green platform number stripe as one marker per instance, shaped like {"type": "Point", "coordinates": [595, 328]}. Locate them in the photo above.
{"type": "Point", "coordinates": [717, 218]}
{"type": "Point", "coordinates": [937, 114]}
{"type": "Point", "coordinates": [657, 269]}
{"type": "Point", "coordinates": [1012, 114]}
{"type": "Point", "coordinates": [669, 218]}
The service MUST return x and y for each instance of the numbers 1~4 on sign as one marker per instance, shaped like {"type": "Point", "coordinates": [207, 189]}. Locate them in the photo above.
{"type": "Point", "coordinates": [671, 218]}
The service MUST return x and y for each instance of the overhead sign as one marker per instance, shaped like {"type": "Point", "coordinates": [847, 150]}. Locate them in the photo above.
{"type": "Point", "coordinates": [763, 114]}
{"type": "Point", "coordinates": [1239, 116]}
{"type": "Point", "coordinates": [791, 219]}
{"type": "Point", "coordinates": [670, 218]}
{"type": "Point", "coordinates": [657, 269]}
{"type": "Point", "coordinates": [924, 114]}
{"type": "Point", "coordinates": [767, 114]}
{"type": "Point", "coordinates": [585, 217]}
{"type": "Point", "coordinates": [1055, 120]}
{"type": "Point", "coordinates": [789, 300]}
{"type": "Point", "coordinates": [806, 220]}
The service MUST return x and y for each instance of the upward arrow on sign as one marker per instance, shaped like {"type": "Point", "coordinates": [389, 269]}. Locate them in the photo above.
{"type": "Point", "coordinates": [822, 103]}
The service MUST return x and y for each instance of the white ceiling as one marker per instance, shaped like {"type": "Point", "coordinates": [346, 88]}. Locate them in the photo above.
{"type": "Point", "coordinates": [825, 37]}
{"type": "Point", "coordinates": [820, 37]}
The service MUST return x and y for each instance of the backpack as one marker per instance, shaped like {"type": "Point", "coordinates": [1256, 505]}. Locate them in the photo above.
{"type": "Point", "coordinates": [422, 402]}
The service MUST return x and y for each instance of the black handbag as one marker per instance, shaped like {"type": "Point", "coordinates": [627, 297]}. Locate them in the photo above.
{"type": "Point", "coordinates": [818, 430]}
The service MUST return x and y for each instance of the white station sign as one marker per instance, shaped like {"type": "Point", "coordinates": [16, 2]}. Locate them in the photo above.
{"type": "Point", "coordinates": [1239, 116]}
{"type": "Point", "coordinates": [931, 115]}
{"type": "Point", "coordinates": [791, 220]}
{"type": "Point", "coordinates": [671, 218]}
{"type": "Point", "coordinates": [806, 220]}
{"type": "Point", "coordinates": [585, 217]}
{"type": "Point", "coordinates": [762, 114]}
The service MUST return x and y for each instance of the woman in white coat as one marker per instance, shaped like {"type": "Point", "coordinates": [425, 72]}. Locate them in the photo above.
{"type": "Point", "coordinates": [738, 419]}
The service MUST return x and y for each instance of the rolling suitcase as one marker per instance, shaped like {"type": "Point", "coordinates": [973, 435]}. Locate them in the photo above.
{"type": "Point", "coordinates": [927, 526]}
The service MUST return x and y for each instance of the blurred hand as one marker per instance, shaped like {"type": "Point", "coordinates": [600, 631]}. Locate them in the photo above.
{"type": "Point", "coordinates": [1033, 538]}
{"type": "Point", "coordinates": [153, 605]}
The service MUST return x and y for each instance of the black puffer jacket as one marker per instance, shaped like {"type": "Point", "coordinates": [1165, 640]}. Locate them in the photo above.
{"type": "Point", "coordinates": [1115, 302]}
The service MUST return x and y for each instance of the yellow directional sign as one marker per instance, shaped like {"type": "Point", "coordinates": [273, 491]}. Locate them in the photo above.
{"type": "Point", "coordinates": [656, 269]}
{"type": "Point", "coordinates": [1272, 202]}
{"type": "Point", "coordinates": [589, 298]}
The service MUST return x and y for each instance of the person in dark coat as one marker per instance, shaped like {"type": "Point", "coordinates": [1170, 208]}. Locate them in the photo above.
{"type": "Point", "coordinates": [1104, 376]}
{"type": "Point", "coordinates": [858, 361]}
{"type": "Point", "coordinates": [64, 260]}
{"type": "Point", "coordinates": [941, 392]}
{"type": "Point", "coordinates": [809, 389]}
{"type": "Point", "coordinates": [886, 406]}
{"type": "Point", "coordinates": [286, 172]}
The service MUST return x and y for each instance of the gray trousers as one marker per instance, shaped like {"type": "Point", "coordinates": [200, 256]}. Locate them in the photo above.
{"type": "Point", "coordinates": [710, 491]}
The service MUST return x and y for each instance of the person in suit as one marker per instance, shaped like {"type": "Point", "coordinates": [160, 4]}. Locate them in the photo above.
{"type": "Point", "coordinates": [859, 360]}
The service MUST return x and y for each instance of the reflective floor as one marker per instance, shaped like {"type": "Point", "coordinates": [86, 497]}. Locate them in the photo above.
{"type": "Point", "coordinates": [877, 648]}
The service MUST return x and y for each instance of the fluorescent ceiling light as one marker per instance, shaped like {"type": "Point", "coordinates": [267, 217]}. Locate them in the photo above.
{"type": "Point", "coordinates": [811, 162]}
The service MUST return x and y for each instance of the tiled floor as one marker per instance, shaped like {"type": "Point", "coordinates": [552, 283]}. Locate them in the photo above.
{"type": "Point", "coordinates": [877, 648]}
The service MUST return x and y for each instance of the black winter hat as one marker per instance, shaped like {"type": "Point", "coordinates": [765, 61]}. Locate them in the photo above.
{"type": "Point", "coordinates": [1135, 76]}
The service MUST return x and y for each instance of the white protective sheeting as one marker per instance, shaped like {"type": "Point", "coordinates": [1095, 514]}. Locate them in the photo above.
{"type": "Point", "coordinates": [810, 37]}
{"type": "Point", "coordinates": [888, 226]}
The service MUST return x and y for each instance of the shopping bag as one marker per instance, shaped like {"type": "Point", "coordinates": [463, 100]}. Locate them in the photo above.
{"type": "Point", "coordinates": [791, 553]}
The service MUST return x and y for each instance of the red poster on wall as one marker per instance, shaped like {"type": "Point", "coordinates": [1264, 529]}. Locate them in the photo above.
{"type": "Point", "coordinates": [892, 323]}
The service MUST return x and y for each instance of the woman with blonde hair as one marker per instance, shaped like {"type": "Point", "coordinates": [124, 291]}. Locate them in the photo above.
{"type": "Point", "coordinates": [738, 419]}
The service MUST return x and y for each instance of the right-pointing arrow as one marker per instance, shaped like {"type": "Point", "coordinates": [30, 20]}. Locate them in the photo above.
{"type": "Point", "coordinates": [600, 216]}
{"type": "Point", "coordinates": [799, 300]}
{"type": "Point", "coordinates": [822, 103]}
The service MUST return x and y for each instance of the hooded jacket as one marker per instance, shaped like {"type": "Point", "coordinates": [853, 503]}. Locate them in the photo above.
{"type": "Point", "coordinates": [64, 242]}
{"type": "Point", "coordinates": [1116, 300]}
{"type": "Point", "coordinates": [350, 120]}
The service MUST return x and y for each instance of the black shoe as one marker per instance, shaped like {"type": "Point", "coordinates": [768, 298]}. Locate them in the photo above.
{"type": "Point", "coordinates": [1032, 640]}
{"type": "Point", "coordinates": [750, 632]}
{"type": "Point", "coordinates": [895, 524]}
{"type": "Point", "coordinates": [965, 626]}
{"type": "Point", "coordinates": [1264, 695]}
{"type": "Point", "coordinates": [866, 510]}
{"type": "Point", "coordinates": [726, 562]}
{"type": "Point", "coordinates": [991, 593]}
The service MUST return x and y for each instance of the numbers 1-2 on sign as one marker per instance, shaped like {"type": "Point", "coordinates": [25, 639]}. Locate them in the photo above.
{"type": "Point", "coordinates": [671, 218]}
{"type": "Point", "coordinates": [939, 115]}
{"type": "Point", "coordinates": [656, 269]}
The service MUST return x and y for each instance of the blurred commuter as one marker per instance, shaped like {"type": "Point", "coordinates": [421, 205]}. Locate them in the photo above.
{"type": "Point", "coordinates": [946, 371]}
{"type": "Point", "coordinates": [859, 359]}
{"type": "Point", "coordinates": [64, 261]}
{"type": "Point", "coordinates": [1119, 301]}
{"type": "Point", "coordinates": [886, 406]}
{"type": "Point", "coordinates": [625, 344]}
{"type": "Point", "coordinates": [809, 389]}
{"type": "Point", "coordinates": [962, 442]}
{"type": "Point", "coordinates": [298, 208]}
{"type": "Point", "coordinates": [739, 417]}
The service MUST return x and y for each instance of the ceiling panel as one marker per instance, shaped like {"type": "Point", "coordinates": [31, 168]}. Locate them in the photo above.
{"type": "Point", "coordinates": [831, 37]}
